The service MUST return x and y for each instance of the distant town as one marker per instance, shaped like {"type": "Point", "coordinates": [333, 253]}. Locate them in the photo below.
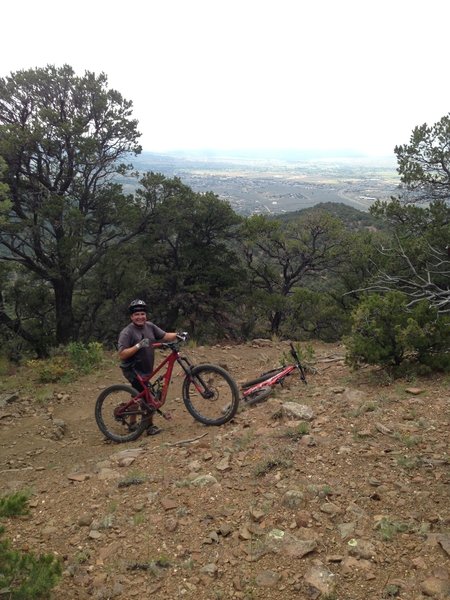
{"type": "Point", "coordinates": [281, 184]}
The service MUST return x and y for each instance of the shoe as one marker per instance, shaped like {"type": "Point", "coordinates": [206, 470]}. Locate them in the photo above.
{"type": "Point", "coordinates": [153, 430]}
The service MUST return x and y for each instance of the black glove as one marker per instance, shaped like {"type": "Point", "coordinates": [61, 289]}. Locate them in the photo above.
{"type": "Point", "coordinates": [145, 343]}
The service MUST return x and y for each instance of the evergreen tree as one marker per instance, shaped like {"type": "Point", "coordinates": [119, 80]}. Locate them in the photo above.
{"type": "Point", "coordinates": [63, 138]}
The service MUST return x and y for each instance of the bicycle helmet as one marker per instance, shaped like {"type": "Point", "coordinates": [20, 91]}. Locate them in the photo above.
{"type": "Point", "coordinates": [137, 306]}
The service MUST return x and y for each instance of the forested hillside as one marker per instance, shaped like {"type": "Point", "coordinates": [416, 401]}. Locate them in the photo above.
{"type": "Point", "coordinates": [75, 247]}
{"type": "Point", "coordinates": [352, 218]}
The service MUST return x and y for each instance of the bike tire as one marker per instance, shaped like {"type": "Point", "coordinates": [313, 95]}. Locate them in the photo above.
{"type": "Point", "coordinates": [258, 396]}
{"type": "Point", "coordinates": [263, 377]}
{"type": "Point", "coordinates": [223, 403]}
{"type": "Point", "coordinates": [115, 429]}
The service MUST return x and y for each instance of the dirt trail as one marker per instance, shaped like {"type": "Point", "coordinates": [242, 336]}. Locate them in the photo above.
{"type": "Point", "coordinates": [349, 503]}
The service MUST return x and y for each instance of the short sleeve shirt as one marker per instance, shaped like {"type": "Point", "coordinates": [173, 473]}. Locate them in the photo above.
{"type": "Point", "coordinates": [131, 335]}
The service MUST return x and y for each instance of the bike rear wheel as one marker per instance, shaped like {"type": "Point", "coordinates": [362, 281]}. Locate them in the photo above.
{"type": "Point", "coordinates": [123, 426]}
{"type": "Point", "coordinates": [258, 396]}
{"type": "Point", "coordinates": [263, 377]}
{"type": "Point", "coordinates": [210, 394]}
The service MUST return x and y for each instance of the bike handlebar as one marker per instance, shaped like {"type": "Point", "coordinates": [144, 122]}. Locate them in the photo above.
{"type": "Point", "coordinates": [298, 364]}
{"type": "Point", "coordinates": [170, 345]}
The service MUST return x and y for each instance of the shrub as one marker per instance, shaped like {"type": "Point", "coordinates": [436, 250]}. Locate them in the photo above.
{"type": "Point", "coordinates": [4, 366]}
{"type": "Point", "coordinates": [25, 576]}
{"type": "Point", "coordinates": [305, 354]}
{"type": "Point", "coordinates": [67, 362]}
{"type": "Point", "coordinates": [53, 370]}
{"type": "Point", "coordinates": [315, 315]}
{"type": "Point", "coordinates": [14, 504]}
{"type": "Point", "coordinates": [429, 337]}
{"type": "Point", "coordinates": [85, 357]}
{"type": "Point", "coordinates": [385, 332]}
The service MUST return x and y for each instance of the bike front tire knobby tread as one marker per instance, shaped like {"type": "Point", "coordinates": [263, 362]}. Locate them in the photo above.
{"type": "Point", "coordinates": [228, 411]}
{"type": "Point", "coordinates": [129, 437]}
{"type": "Point", "coordinates": [258, 396]}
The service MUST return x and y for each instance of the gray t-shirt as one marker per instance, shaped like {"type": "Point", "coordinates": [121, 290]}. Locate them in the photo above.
{"type": "Point", "coordinates": [143, 360]}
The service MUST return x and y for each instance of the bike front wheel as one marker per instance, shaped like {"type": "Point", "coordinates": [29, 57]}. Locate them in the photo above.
{"type": "Point", "coordinates": [258, 396]}
{"type": "Point", "coordinates": [115, 420]}
{"type": "Point", "coordinates": [210, 394]}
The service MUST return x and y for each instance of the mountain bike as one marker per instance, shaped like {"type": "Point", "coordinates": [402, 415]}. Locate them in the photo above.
{"type": "Point", "coordinates": [259, 389]}
{"type": "Point", "coordinates": [209, 393]}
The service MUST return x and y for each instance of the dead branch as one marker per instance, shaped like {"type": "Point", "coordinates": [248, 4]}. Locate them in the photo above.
{"type": "Point", "coordinates": [183, 442]}
{"type": "Point", "coordinates": [417, 285]}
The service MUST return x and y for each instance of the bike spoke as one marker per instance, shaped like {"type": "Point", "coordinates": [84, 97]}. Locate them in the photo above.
{"type": "Point", "coordinates": [211, 395]}
{"type": "Point", "coordinates": [116, 420]}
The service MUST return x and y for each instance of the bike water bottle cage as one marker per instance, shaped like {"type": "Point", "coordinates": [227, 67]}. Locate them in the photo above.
{"type": "Point", "coordinates": [137, 306]}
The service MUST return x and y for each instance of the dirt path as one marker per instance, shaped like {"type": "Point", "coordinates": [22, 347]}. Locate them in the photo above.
{"type": "Point", "coordinates": [349, 503]}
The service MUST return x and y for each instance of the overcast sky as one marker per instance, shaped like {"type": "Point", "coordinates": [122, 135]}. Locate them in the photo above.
{"type": "Point", "coordinates": [321, 74]}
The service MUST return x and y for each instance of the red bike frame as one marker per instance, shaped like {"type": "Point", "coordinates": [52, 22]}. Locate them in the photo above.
{"type": "Point", "coordinates": [209, 393]}
{"type": "Point", "coordinates": [277, 378]}
{"type": "Point", "coordinates": [147, 394]}
{"type": "Point", "coordinates": [266, 381]}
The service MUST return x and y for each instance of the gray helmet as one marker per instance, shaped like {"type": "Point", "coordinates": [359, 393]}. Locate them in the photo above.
{"type": "Point", "coordinates": [137, 306]}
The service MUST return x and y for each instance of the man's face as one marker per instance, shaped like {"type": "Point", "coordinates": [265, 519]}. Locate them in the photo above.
{"type": "Point", "coordinates": [139, 318]}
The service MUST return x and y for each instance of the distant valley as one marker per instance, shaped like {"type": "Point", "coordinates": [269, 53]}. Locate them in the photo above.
{"type": "Point", "coordinates": [258, 185]}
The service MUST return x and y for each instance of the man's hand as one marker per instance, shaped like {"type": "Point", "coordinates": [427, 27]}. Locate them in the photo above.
{"type": "Point", "coordinates": [145, 343]}
{"type": "Point", "coordinates": [182, 335]}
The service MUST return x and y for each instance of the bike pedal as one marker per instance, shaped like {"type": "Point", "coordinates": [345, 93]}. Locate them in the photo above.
{"type": "Point", "coordinates": [166, 416]}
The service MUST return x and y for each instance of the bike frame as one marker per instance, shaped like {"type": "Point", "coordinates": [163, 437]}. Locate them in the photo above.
{"type": "Point", "coordinates": [278, 377]}
{"type": "Point", "coordinates": [146, 394]}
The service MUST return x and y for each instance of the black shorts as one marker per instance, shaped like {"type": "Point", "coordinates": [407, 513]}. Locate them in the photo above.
{"type": "Point", "coordinates": [130, 375]}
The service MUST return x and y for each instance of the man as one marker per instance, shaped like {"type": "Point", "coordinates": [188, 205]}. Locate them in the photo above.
{"type": "Point", "coordinates": [136, 351]}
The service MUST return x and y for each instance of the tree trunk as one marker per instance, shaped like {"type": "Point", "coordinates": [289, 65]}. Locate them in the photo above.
{"type": "Point", "coordinates": [63, 310]}
{"type": "Point", "coordinates": [275, 322]}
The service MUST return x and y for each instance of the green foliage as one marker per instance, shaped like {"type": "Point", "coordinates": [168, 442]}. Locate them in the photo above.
{"type": "Point", "coordinates": [5, 203]}
{"type": "Point", "coordinates": [52, 370]}
{"type": "Point", "coordinates": [417, 263]}
{"type": "Point", "coordinates": [316, 315]}
{"type": "Point", "coordinates": [280, 257]}
{"type": "Point", "coordinates": [14, 504]}
{"type": "Point", "coordinates": [85, 357]}
{"type": "Point", "coordinates": [352, 218]}
{"type": "Point", "coordinates": [385, 332]}
{"type": "Point", "coordinates": [191, 269]}
{"type": "Point", "coordinates": [388, 529]}
{"type": "Point", "coordinates": [305, 353]}
{"type": "Point", "coordinates": [4, 366]}
{"type": "Point", "coordinates": [424, 163]}
{"type": "Point", "coordinates": [62, 138]}
{"type": "Point", "coordinates": [25, 576]}
{"type": "Point", "coordinates": [428, 336]}
{"type": "Point", "coordinates": [268, 465]}
{"type": "Point", "coordinates": [67, 363]}
{"type": "Point", "coordinates": [201, 266]}
{"type": "Point", "coordinates": [297, 433]}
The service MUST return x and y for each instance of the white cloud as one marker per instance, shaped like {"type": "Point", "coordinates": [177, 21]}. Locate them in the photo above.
{"type": "Point", "coordinates": [247, 73]}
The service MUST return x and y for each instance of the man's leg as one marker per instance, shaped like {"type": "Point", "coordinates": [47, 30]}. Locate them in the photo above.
{"type": "Point", "coordinates": [151, 428]}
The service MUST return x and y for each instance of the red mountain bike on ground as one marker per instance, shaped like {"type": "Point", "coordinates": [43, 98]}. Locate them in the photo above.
{"type": "Point", "coordinates": [209, 393]}
{"type": "Point", "coordinates": [259, 389]}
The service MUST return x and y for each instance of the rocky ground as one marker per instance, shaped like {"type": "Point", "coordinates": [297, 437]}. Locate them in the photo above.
{"type": "Point", "coordinates": [348, 501]}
